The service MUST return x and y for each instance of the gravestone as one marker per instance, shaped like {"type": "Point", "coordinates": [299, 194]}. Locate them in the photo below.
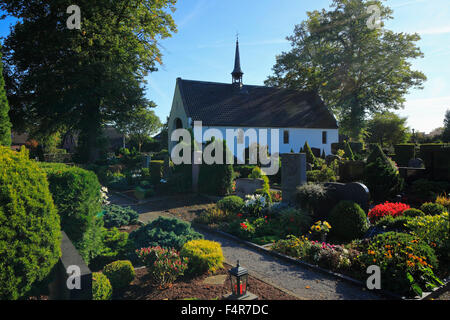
{"type": "Point", "coordinates": [416, 163]}
{"type": "Point", "coordinates": [330, 158]}
{"type": "Point", "coordinates": [147, 159]}
{"type": "Point", "coordinates": [70, 258]}
{"type": "Point", "coordinates": [293, 174]}
{"type": "Point", "coordinates": [166, 167]}
{"type": "Point", "coordinates": [245, 186]}
{"type": "Point", "coordinates": [355, 191]}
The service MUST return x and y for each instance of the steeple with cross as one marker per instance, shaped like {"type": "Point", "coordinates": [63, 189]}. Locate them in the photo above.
{"type": "Point", "coordinates": [237, 72]}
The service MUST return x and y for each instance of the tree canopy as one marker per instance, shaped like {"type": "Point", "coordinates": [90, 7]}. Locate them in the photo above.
{"type": "Point", "coordinates": [446, 133]}
{"type": "Point", "coordinates": [387, 129]}
{"type": "Point", "coordinates": [356, 68]}
{"type": "Point", "coordinates": [62, 79]}
{"type": "Point", "coordinates": [5, 124]}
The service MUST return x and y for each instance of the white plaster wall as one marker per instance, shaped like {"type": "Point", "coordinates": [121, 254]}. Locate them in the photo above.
{"type": "Point", "coordinates": [177, 111]}
{"type": "Point", "coordinates": [297, 138]}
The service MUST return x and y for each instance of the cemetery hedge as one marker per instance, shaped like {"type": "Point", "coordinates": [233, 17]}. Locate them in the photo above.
{"type": "Point", "coordinates": [30, 233]}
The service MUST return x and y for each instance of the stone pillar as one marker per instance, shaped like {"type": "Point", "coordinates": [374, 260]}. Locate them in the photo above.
{"type": "Point", "coordinates": [196, 160]}
{"type": "Point", "coordinates": [147, 160]}
{"type": "Point", "coordinates": [293, 174]}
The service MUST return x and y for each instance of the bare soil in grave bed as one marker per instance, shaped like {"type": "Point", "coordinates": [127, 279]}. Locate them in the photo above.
{"type": "Point", "coordinates": [143, 289]}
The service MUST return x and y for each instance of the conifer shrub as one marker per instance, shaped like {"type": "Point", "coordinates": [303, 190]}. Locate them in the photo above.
{"type": "Point", "coordinates": [30, 233]}
{"type": "Point", "coordinates": [231, 204]}
{"type": "Point", "coordinates": [101, 287]}
{"type": "Point", "coordinates": [120, 274]}
{"type": "Point", "coordinates": [348, 220]}
{"type": "Point", "coordinates": [203, 256]}
{"type": "Point", "coordinates": [432, 209]}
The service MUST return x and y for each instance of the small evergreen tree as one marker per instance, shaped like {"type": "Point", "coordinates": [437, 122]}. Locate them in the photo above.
{"type": "Point", "coordinates": [5, 124]}
{"type": "Point", "coordinates": [310, 158]}
{"type": "Point", "coordinates": [348, 151]}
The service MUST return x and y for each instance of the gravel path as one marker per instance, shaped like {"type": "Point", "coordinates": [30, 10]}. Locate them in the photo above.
{"type": "Point", "coordinates": [304, 283]}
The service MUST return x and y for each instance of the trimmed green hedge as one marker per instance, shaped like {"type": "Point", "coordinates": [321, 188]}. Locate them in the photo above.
{"type": "Point", "coordinates": [76, 193]}
{"type": "Point", "coordinates": [101, 287]}
{"type": "Point", "coordinates": [348, 221]}
{"type": "Point", "coordinates": [30, 232]}
{"type": "Point", "coordinates": [156, 171]}
{"type": "Point", "coordinates": [120, 273]}
{"type": "Point", "coordinates": [404, 153]}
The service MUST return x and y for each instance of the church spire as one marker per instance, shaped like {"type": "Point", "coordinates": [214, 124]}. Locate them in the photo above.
{"type": "Point", "coordinates": [237, 72]}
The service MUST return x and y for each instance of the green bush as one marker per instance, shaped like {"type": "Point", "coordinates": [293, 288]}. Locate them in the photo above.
{"type": "Point", "coordinates": [76, 193]}
{"type": "Point", "coordinates": [115, 246]}
{"type": "Point", "coordinates": [117, 216]}
{"type": "Point", "coordinates": [214, 216]}
{"type": "Point", "coordinates": [310, 196]}
{"type": "Point", "coordinates": [142, 193]}
{"type": "Point", "coordinates": [216, 179]}
{"type": "Point", "coordinates": [381, 176]}
{"type": "Point", "coordinates": [120, 274]}
{"type": "Point", "coordinates": [30, 232]}
{"type": "Point", "coordinates": [432, 209]}
{"type": "Point", "coordinates": [244, 170]}
{"type": "Point", "coordinates": [390, 223]}
{"type": "Point", "coordinates": [164, 232]}
{"type": "Point", "coordinates": [232, 204]}
{"type": "Point", "coordinates": [180, 181]}
{"type": "Point", "coordinates": [406, 263]}
{"type": "Point", "coordinates": [203, 256]}
{"type": "Point", "coordinates": [404, 153]}
{"type": "Point", "coordinates": [348, 152]}
{"type": "Point", "coordinates": [413, 213]}
{"type": "Point", "coordinates": [156, 171]}
{"type": "Point", "coordinates": [101, 287]}
{"type": "Point", "coordinates": [294, 222]}
{"type": "Point", "coordinates": [323, 175]}
{"type": "Point", "coordinates": [427, 189]}
{"type": "Point", "coordinates": [257, 173]}
{"type": "Point", "coordinates": [310, 158]}
{"type": "Point", "coordinates": [348, 221]}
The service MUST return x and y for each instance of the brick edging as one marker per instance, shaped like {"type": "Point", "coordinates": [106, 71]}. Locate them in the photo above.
{"type": "Point", "coordinates": [382, 292]}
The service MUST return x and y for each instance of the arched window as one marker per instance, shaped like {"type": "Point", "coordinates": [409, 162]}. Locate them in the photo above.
{"type": "Point", "coordinates": [178, 123]}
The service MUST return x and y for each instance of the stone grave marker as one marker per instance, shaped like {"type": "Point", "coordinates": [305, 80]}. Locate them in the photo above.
{"type": "Point", "coordinates": [293, 174]}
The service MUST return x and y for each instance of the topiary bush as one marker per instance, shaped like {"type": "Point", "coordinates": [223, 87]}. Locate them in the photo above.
{"type": "Point", "coordinates": [231, 204]}
{"type": "Point", "coordinates": [164, 232]}
{"type": "Point", "coordinates": [382, 176]}
{"type": "Point", "coordinates": [30, 232]}
{"type": "Point", "coordinates": [76, 193]}
{"type": "Point", "coordinates": [101, 287]}
{"type": "Point", "coordinates": [323, 175]}
{"type": "Point", "coordinates": [349, 221]}
{"type": "Point", "coordinates": [203, 256]}
{"type": "Point", "coordinates": [294, 222]}
{"type": "Point", "coordinates": [432, 209]}
{"type": "Point", "coordinates": [397, 224]}
{"type": "Point", "coordinates": [120, 274]}
{"type": "Point", "coordinates": [412, 212]}
{"type": "Point", "coordinates": [117, 216]}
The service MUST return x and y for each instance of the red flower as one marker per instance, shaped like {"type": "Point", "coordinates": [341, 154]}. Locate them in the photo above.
{"type": "Point", "coordinates": [387, 209]}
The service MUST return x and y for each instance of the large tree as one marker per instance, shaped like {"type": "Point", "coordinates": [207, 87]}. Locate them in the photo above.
{"type": "Point", "coordinates": [5, 124]}
{"type": "Point", "coordinates": [70, 79]}
{"type": "Point", "coordinates": [446, 132]}
{"type": "Point", "coordinates": [141, 125]}
{"type": "Point", "coordinates": [387, 129]}
{"type": "Point", "coordinates": [357, 68]}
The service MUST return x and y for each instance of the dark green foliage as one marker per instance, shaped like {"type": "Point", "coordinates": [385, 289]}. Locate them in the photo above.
{"type": "Point", "coordinates": [231, 204]}
{"type": "Point", "coordinates": [413, 213]}
{"type": "Point", "coordinates": [117, 216]}
{"type": "Point", "coordinates": [357, 147]}
{"type": "Point", "coordinates": [310, 158]}
{"type": "Point", "coordinates": [115, 245]}
{"type": "Point", "coordinates": [164, 232]}
{"type": "Point", "coordinates": [310, 196]}
{"type": "Point", "coordinates": [244, 170]}
{"type": "Point", "coordinates": [101, 287]}
{"type": "Point", "coordinates": [323, 175]}
{"type": "Point", "coordinates": [180, 181]}
{"type": "Point", "coordinates": [348, 221]}
{"type": "Point", "coordinates": [216, 179]}
{"type": "Point", "coordinates": [376, 152]}
{"type": "Point", "coordinates": [76, 193]}
{"type": "Point", "coordinates": [30, 232]}
{"type": "Point", "coordinates": [156, 171]}
{"type": "Point", "coordinates": [160, 155]}
{"type": "Point", "coordinates": [427, 189]}
{"type": "Point", "coordinates": [142, 193]}
{"type": "Point", "coordinates": [390, 223]}
{"type": "Point", "coordinates": [432, 209]}
{"type": "Point", "coordinates": [5, 124]}
{"type": "Point", "coordinates": [295, 222]}
{"type": "Point", "coordinates": [381, 176]}
{"type": "Point", "coordinates": [120, 274]}
{"type": "Point", "coordinates": [404, 153]}
{"type": "Point", "coordinates": [348, 152]}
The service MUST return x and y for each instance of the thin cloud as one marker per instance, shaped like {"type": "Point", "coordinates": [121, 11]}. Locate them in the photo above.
{"type": "Point", "coordinates": [197, 9]}
{"type": "Point", "coordinates": [435, 30]}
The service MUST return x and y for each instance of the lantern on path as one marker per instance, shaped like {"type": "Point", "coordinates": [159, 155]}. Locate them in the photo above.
{"type": "Point", "coordinates": [239, 284]}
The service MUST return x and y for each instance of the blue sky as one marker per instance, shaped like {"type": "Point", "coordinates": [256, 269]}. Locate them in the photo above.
{"type": "Point", "coordinates": [203, 48]}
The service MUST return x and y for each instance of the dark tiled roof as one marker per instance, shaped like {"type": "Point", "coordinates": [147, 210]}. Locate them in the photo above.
{"type": "Point", "coordinates": [221, 104]}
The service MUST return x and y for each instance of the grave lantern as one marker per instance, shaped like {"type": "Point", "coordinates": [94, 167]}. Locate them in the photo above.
{"type": "Point", "coordinates": [238, 279]}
